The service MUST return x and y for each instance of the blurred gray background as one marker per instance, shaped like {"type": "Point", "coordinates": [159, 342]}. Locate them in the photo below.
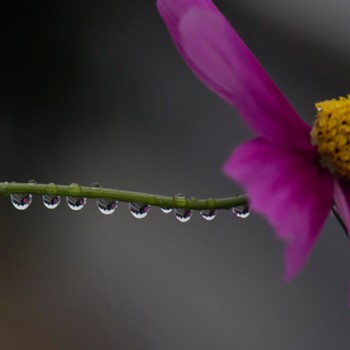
{"type": "Point", "coordinates": [95, 91]}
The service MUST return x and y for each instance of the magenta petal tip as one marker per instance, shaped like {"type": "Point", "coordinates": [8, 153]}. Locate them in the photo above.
{"type": "Point", "coordinates": [284, 186]}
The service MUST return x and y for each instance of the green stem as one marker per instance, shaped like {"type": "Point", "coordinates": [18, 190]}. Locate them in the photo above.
{"type": "Point", "coordinates": [75, 190]}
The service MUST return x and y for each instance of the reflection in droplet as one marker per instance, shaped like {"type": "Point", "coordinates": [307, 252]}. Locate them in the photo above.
{"type": "Point", "coordinates": [166, 210]}
{"type": "Point", "coordinates": [241, 211]}
{"type": "Point", "coordinates": [139, 210]}
{"type": "Point", "coordinates": [21, 201]}
{"type": "Point", "coordinates": [106, 206]}
{"type": "Point", "coordinates": [208, 214]}
{"type": "Point", "coordinates": [76, 203]}
{"type": "Point", "coordinates": [51, 201]}
{"type": "Point", "coordinates": [183, 215]}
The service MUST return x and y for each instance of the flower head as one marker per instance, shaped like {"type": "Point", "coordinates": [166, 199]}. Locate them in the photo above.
{"type": "Point", "coordinates": [299, 175]}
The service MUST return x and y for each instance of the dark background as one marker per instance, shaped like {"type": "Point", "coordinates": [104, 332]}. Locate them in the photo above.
{"type": "Point", "coordinates": [95, 91]}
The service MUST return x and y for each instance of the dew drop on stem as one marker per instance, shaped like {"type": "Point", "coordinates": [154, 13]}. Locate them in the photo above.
{"type": "Point", "coordinates": [208, 214]}
{"type": "Point", "coordinates": [241, 211]}
{"type": "Point", "coordinates": [21, 201]}
{"type": "Point", "coordinates": [51, 201]}
{"type": "Point", "coordinates": [76, 203]}
{"type": "Point", "coordinates": [106, 206]}
{"type": "Point", "coordinates": [139, 210]}
{"type": "Point", "coordinates": [183, 215]}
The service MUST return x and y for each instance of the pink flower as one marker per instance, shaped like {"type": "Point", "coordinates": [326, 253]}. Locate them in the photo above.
{"type": "Point", "coordinates": [289, 176]}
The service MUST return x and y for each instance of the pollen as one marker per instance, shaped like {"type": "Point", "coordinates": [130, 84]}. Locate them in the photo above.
{"type": "Point", "coordinates": [331, 135]}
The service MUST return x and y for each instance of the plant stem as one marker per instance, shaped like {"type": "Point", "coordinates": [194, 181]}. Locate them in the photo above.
{"type": "Point", "coordinates": [75, 190]}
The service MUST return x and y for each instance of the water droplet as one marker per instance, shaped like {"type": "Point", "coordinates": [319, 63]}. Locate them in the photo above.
{"type": "Point", "coordinates": [74, 190]}
{"type": "Point", "coordinates": [241, 211]}
{"type": "Point", "coordinates": [183, 215]}
{"type": "Point", "coordinates": [208, 214]}
{"type": "Point", "coordinates": [166, 210]}
{"type": "Point", "coordinates": [139, 210]}
{"type": "Point", "coordinates": [211, 202]}
{"type": "Point", "coordinates": [51, 201]}
{"type": "Point", "coordinates": [51, 188]}
{"type": "Point", "coordinates": [21, 201]}
{"type": "Point", "coordinates": [76, 203]}
{"type": "Point", "coordinates": [95, 185]}
{"type": "Point", "coordinates": [107, 206]}
{"type": "Point", "coordinates": [180, 199]}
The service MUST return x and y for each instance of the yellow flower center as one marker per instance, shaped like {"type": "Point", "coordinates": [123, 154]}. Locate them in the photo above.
{"type": "Point", "coordinates": [331, 135]}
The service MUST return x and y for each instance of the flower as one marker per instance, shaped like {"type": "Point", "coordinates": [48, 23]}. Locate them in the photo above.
{"type": "Point", "coordinates": [292, 173]}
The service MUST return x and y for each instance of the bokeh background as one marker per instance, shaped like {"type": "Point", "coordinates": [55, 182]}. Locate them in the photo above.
{"type": "Point", "coordinates": [95, 91]}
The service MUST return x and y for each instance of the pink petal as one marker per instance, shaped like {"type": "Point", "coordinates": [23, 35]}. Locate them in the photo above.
{"type": "Point", "coordinates": [290, 189]}
{"type": "Point", "coordinates": [218, 56]}
{"type": "Point", "coordinates": [172, 11]}
{"type": "Point", "coordinates": [342, 201]}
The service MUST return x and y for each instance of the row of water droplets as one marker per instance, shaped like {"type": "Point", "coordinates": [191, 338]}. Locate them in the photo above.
{"type": "Point", "coordinates": [108, 206]}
